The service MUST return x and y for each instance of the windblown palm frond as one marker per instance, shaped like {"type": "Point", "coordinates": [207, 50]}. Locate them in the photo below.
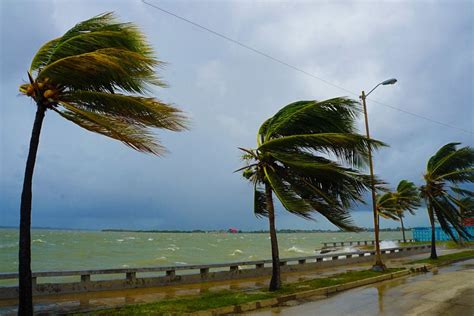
{"type": "Point", "coordinates": [449, 165]}
{"type": "Point", "coordinates": [386, 206]}
{"type": "Point", "coordinates": [309, 153]}
{"type": "Point", "coordinates": [85, 76]}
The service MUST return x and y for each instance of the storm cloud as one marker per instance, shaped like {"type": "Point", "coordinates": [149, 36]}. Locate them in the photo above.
{"type": "Point", "coordinates": [83, 180]}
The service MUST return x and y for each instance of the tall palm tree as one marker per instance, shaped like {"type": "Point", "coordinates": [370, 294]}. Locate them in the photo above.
{"type": "Point", "coordinates": [445, 170]}
{"type": "Point", "coordinates": [308, 154]}
{"type": "Point", "coordinates": [84, 76]}
{"type": "Point", "coordinates": [393, 205]}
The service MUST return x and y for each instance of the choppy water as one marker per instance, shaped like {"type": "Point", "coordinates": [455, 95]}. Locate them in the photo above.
{"type": "Point", "coordinates": [71, 250]}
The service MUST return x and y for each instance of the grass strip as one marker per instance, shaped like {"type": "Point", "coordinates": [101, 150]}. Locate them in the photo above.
{"type": "Point", "coordinates": [447, 258]}
{"type": "Point", "coordinates": [449, 244]}
{"type": "Point", "coordinates": [224, 298]}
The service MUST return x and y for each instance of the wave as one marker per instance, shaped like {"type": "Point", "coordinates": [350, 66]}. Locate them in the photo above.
{"type": "Point", "coordinates": [119, 240]}
{"type": "Point", "coordinates": [162, 258]}
{"type": "Point", "coordinates": [180, 262]}
{"type": "Point", "coordinates": [295, 249]}
{"type": "Point", "coordinates": [172, 248]}
{"type": "Point", "coordinates": [384, 244]}
{"type": "Point", "coordinates": [39, 241]}
{"type": "Point", "coordinates": [150, 239]}
{"type": "Point", "coordinates": [236, 252]}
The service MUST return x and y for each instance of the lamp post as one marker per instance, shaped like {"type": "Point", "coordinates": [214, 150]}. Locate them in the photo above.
{"type": "Point", "coordinates": [378, 266]}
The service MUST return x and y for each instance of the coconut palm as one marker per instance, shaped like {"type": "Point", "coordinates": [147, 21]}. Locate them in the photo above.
{"type": "Point", "coordinates": [95, 76]}
{"type": "Point", "coordinates": [445, 170]}
{"type": "Point", "coordinates": [308, 154]}
{"type": "Point", "coordinates": [393, 205]}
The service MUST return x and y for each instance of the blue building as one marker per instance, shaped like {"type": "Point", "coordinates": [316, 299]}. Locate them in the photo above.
{"type": "Point", "coordinates": [424, 233]}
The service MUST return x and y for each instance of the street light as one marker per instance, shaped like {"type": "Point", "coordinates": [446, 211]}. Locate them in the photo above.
{"type": "Point", "coordinates": [378, 266]}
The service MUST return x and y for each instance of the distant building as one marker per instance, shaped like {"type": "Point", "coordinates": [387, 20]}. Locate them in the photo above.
{"type": "Point", "coordinates": [424, 233]}
{"type": "Point", "coordinates": [468, 221]}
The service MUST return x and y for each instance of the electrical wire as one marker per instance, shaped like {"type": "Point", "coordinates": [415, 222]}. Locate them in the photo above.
{"type": "Point", "coordinates": [266, 55]}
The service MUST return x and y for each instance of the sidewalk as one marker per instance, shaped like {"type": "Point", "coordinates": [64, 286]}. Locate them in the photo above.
{"type": "Point", "coordinates": [446, 291]}
{"type": "Point", "coordinates": [88, 301]}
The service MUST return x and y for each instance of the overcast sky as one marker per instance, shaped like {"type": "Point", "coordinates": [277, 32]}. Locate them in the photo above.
{"type": "Point", "coordinates": [84, 180]}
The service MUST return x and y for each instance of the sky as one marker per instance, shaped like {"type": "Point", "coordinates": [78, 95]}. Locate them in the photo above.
{"type": "Point", "coordinates": [84, 180]}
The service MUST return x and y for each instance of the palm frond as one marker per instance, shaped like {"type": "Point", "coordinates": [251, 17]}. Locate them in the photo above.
{"type": "Point", "coordinates": [105, 69]}
{"type": "Point", "coordinates": [259, 202]}
{"type": "Point", "coordinates": [132, 109]}
{"type": "Point", "coordinates": [449, 217]}
{"type": "Point", "coordinates": [134, 136]}
{"type": "Point", "coordinates": [463, 192]}
{"type": "Point", "coordinates": [351, 148]}
{"type": "Point", "coordinates": [310, 117]}
{"type": "Point", "coordinates": [41, 58]}
{"type": "Point", "coordinates": [450, 159]}
{"type": "Point", "coordinates": [288, 198]}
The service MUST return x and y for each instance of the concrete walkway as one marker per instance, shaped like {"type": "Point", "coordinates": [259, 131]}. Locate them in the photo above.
{"type": "Point", "coordinates": [55, 304]}
{"type": "Point", "coordinates": [447, 291]}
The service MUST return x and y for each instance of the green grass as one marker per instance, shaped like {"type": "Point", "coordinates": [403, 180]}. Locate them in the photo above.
{"type": "Point", "coordinates": [447, 258]}
{"type": "Point", "coordinates": [447, 244]}
{"type": "Point", "coordinates": [218, 299]}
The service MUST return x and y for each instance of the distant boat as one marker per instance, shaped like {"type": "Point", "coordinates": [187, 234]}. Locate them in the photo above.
{"type": "Point", "coordinates": [233, 230]}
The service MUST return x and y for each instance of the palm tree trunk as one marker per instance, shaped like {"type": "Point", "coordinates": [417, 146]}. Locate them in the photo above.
{"type": "Point", "coordinates": [433, 237]}
{"type": "Point", "coordinates": [275, 282]}
{"type": "Point", "coordinates": [379, 265]}
{"type": "Point", "coordinates": [403, 229]}
{"type": "Point", "coordinates": [25, 281]}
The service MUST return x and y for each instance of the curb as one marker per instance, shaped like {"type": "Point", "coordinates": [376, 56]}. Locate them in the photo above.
{"type": "Point", "coordinates": [325, 291]}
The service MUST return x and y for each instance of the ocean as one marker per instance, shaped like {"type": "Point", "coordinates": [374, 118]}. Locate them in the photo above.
{"type": "Point", "coordinates": [54, 250]}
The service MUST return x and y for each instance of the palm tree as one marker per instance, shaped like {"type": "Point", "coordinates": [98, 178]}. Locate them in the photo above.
{"type": "Point", "coordinates": [84, 76]}
{"type": "Point", "coordinates": [445, 170]}
{"type": "Point", "coordinates": [394, 204]}
{"type": "Point", "coordinates": [307, 154]}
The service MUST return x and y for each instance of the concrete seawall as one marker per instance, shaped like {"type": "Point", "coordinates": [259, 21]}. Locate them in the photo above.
{"type": "Point", "coordinates": [189, 274]}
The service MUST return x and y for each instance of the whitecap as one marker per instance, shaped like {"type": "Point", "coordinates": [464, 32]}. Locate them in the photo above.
{"type": "Point", "coordinates": [385, 244]}
{"type": "Point", "coordinates": [119, 240]}
{"type": "Point", "coordinates": [236, 252]}
{"type": "Point", "coordinates": [179, 262]}
{"type": "Point", "coordinates": [125, 265]}
{"type": "Point", "coordinates": [162, 258]}
{"type": "Point", "coordinates": [150, 239]}
{"type": "Point", "coordinates": [39, 240]}
{"type": "Point", "coordinates": [297, 250]}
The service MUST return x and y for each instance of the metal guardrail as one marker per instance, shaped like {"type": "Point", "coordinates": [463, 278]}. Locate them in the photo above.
{"type": "Point", "coordinates": [130, 273]}
{"type": "Point", "coordinates": [358, 242]}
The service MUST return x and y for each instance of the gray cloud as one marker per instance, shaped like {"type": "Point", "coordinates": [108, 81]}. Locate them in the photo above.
{"type": "Point", "coordinates": [85, 180]}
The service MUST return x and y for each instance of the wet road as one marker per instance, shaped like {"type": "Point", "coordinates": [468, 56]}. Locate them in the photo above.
{"type": "Point", "coordinates": [447, 291]}
{"type": "Point", "coordinates": [56, 304]}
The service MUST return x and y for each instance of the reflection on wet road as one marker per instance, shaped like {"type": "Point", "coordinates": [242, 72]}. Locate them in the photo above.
{"type": "Point", "coordinates": [447, 291]}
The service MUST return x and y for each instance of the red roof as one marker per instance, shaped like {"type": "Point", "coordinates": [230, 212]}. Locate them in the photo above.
{"type": "Point", "coordinates": [468, 221]}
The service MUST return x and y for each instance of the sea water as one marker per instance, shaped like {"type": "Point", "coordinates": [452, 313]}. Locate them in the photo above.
{"type": "Point", "coordinates": [54, 250]}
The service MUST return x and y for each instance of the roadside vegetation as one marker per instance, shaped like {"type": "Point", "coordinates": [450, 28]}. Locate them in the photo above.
{"type": "Point", "coordinates": [447, 258]}
{"type": "Point", "coordinates": [224, 298]}
{"type": "Point", "coordinates": [449, 244]}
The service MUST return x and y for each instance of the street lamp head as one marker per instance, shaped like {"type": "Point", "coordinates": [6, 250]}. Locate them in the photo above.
{"type": "Point", "coordinates": [389, 81]}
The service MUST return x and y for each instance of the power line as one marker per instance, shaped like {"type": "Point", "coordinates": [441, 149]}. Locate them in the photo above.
{"type": "Point", "coordinates": [259, 52]}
